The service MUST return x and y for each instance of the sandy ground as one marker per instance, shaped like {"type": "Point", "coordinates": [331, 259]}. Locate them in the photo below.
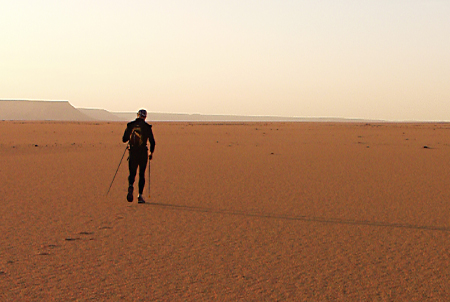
{"type": "Point", "coordinates": [248, 212]}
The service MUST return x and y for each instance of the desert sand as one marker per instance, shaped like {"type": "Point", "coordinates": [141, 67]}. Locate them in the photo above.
{"type": "Point", "coordinates": [238, 211]}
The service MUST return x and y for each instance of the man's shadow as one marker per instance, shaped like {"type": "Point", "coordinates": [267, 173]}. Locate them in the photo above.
{"type": "Point", "coordinates": [301, 218]}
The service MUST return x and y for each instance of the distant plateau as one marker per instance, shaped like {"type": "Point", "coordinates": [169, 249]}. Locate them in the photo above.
{"type": "Point", "coordinates": [44, 110]}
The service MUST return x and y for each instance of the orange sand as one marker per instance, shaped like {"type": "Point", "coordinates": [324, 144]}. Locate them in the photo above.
{"type": "Point", "coordinates": [250, 212]}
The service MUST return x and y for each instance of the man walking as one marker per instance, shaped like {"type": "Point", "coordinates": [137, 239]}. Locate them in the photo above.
{"type": "Point", "coordinates": [138, 132]}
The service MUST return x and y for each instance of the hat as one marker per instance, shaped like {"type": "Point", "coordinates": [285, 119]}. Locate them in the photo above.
{"type": "Point", "coordinates": [142, 113]}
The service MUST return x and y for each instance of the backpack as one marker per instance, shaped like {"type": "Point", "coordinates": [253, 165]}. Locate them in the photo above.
{"type": "Point", "coordinates": [136, 137]}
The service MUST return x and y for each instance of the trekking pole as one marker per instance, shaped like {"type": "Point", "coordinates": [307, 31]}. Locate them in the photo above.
{"type": "Point", "coordinates": [126, 148]}
{"type": "Point", "coordinates": [149, 178]}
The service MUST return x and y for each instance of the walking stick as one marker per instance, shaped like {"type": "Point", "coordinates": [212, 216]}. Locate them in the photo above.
{"type": "Point", "coordinates": [126, 148]}
{"type": "Point", "coordinates": [149, 178]}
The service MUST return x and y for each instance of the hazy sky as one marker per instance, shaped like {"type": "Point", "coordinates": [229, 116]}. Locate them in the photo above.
{"type": "Point", "coordinates": [375, 59]}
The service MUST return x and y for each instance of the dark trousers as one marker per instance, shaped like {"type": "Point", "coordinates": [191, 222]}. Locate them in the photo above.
{"type": "Point", "coordinates": [138, 158]}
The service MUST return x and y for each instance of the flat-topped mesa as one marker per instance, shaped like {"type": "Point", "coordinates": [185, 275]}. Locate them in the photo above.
{"type": "Point", "coordinates": [40, 110]}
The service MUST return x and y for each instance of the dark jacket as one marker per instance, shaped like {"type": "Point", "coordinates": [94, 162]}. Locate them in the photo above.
{"type": "Point", "coordinates": [146, 134]}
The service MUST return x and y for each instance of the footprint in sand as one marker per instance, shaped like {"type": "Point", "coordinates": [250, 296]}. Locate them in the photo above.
{"type": "Point", "coordinates": [73, 239]}
{"type": "Point", "coordinates": [104, 228]}
{"type": "Point", "coordinates": [79, 238]}
{"type": "Point", "coordinates": [45, 247]}
{"type": "Point", "coordinates": [86, 233]}
{"type": "Point", "coordinates": [51, 246]}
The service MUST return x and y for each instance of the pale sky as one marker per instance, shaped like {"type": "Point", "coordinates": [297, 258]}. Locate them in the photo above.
{"type": "Point", "coordinates": [377, 59]}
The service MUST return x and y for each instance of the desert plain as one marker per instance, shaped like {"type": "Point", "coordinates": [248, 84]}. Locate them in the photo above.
{"type": "Point", "coordinates": [237, 212]}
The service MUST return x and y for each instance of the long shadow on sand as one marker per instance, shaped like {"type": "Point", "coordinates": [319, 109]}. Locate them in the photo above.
{"type": "Point", "coordinates": [302, 218]}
